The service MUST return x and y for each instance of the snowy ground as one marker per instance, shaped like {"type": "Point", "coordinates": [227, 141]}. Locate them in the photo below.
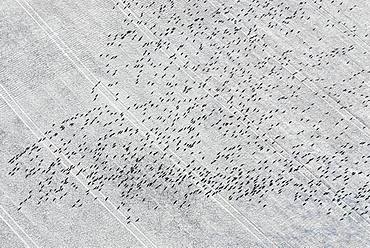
{"type": "Point", "coordinates": [184, 123]}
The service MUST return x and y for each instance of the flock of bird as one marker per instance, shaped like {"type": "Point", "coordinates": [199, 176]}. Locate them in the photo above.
{"type": "Point", "coordinates": [247, 100]}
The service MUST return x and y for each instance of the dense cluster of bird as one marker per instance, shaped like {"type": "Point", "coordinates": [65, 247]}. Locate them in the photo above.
{"type": "Point", "coordinates": [243, 99]}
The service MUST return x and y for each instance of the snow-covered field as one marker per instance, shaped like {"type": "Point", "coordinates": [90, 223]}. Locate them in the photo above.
{"type": "Point", "coordinates": [184, 123]}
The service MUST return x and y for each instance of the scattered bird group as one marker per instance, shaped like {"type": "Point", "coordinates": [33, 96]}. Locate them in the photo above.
{"type": "Point", "coordinates": [246, 100]}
